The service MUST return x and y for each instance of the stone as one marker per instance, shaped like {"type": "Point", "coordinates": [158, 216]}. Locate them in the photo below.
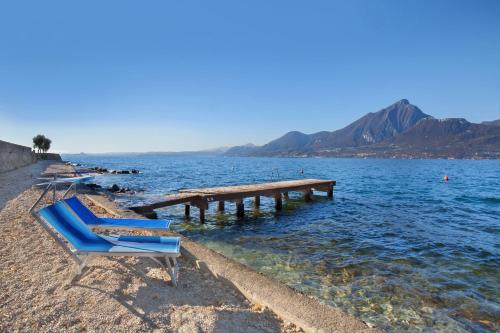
{"type": "Point", "coordinates": [94, 186]}
{"type": "Point", "coordinates": [114, 188]}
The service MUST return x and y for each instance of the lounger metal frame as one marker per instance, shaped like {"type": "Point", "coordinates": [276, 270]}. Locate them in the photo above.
{"type": "Point", "coordinates": [168, 262]}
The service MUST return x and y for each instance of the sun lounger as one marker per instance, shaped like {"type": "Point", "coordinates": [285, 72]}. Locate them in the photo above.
{"type": "Point", "coordinates": [93, 221]}
{"type": "Point", "coordinates": [113, 223]}
{"type": "Point", "coordinates": [64, 181]}
{"type": "Point", "coordinates": [75, 237]}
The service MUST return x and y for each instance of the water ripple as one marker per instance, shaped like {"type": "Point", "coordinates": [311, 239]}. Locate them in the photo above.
{"type": "Point", "coordinates": [397, 246]}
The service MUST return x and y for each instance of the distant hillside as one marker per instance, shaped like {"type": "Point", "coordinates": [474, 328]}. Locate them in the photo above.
{"type": "Point", "coordinates": [400, 130]}
{"type": "Point", "coordinates": [245, 150]}
{"type": "Point", "coordinates": [492, 123]}
{"type": "Point", "coordinates": [436, 138]}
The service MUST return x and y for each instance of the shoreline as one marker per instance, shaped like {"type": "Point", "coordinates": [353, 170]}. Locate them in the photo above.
{"type": "Point", "coordinates": [302, 310]}
{"type": "Point", "coordinates": [233, 296]}
{"type": "Point", "coordinates": [362, 253]}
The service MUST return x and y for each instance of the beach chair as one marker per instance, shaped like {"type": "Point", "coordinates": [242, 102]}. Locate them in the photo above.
{"type": "Point", "coordinates": [93, 221]}
{"type": "Point", "coordinates": [78, 240]}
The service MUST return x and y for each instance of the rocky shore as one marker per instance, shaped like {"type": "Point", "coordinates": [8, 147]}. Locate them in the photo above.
{"type": "Point", "coordinates": [215, 294]}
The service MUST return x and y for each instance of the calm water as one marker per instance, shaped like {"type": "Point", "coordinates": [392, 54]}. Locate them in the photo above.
{"type": "Point", "coordinates": [397, 246]}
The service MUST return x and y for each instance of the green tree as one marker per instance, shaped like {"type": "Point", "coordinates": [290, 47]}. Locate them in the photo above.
{"type": "Point", "coordinates": [46, 144]}
{"type": "Point", "coordinates": [41, 143]}
{"type": "Point", "coordinates": [38, 142]}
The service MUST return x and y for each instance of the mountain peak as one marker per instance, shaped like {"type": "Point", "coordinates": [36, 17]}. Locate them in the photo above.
{"type": "Point", "coordinates": [378, 126]}
{"type": "Point", "coordinates": [400, 129]}
{"type": "Point", "coordinates": [294, 134]}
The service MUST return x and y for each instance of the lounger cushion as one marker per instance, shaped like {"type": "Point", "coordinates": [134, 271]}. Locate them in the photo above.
{"type": "Point", "coordinates": [60, 217]}
{"type": "Point", "coordinates": [90, 219]}
{"type": "Point", "coordinates": [81, 210]}
{"type": "Point", "coordinates": [132, 223]}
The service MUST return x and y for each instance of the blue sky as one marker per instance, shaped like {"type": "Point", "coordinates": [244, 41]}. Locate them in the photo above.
{"type": "Point", "coordinates": [102, 76]}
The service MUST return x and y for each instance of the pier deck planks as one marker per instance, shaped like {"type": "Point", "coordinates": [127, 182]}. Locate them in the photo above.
{"type": "Point", "coordinates": [200, 197]}
{"type": "Point", "coordinates": [264, 189]}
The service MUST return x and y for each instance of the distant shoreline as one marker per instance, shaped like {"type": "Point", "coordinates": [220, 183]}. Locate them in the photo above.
{"type": "Point", "coordinates": [196, 154]}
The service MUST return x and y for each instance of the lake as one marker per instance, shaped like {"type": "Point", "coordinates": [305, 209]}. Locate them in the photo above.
{"type": "Point", "coordinates": [397, 246]}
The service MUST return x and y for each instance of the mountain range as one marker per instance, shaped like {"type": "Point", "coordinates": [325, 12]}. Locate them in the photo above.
{"type": "Point", "coordinates": [400, 130]}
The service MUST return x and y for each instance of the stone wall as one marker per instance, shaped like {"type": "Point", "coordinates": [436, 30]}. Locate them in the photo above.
{"type": "Point", "coordinates": [13, 156]}
{"type": "Point", "coordinates": [49, 156]}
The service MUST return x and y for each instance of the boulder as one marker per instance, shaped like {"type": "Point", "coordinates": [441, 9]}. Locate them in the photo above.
{"type": "Point", "coordinates": [93, 186]}
{"type": "Point", "coordinates": [114, 188]}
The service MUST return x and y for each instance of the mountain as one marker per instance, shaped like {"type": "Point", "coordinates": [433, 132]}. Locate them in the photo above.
{"type": "Point", "coordinates": [492, 123]}
{"type": "Point", "coordinates": [290, 142]}
{"type": "Point", "coordinates": [245, 150]}
{"type": "Point", "coordinates": [400, 130]}
{"type": "Point", "coordinates": [371, 128]}
{"type": "Point", "coordinates": [439, 138]}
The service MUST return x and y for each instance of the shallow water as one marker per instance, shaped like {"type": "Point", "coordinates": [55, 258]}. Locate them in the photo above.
{"type": "Point", "coordinates": [397, 246]}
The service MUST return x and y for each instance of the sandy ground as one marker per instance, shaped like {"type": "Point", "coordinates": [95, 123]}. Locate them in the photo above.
{"type": "Point", "coordinates": [114, 294]}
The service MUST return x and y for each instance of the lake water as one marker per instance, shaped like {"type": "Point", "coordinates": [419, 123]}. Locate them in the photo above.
{"type": "Point", "coordinates": [397, 246]}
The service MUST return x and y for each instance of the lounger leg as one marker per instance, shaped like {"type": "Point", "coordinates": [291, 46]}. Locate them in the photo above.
{"type": "Point", "coordinates": [169, 267]}
{"type": "Point", "coordinates": [172, 271]}
{"type": "Point", "coordinates": [176, 269]}
{"type": "Point", "coordinates": [81, 265]}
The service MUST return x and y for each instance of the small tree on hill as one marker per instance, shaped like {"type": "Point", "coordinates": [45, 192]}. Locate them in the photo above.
{"type": "Point", "coordinates": [38, 142]}
{"type": "Point", "coordinates": [41, 143]}
{"type": "Point", "coordinates": [46, 144]}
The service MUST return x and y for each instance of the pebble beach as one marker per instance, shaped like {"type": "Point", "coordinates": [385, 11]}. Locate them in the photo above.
{"type": "Point", "coordinates": [113, 294]}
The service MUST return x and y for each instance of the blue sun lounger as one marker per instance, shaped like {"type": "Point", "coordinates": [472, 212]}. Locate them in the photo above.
{"type": "Point", "coordinates": [76, 238]}
{"type": "Point", "coordinates": [113, 223]}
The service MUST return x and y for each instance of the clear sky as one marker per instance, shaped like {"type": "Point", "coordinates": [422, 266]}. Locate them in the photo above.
{"type": "Point", "coordinates": [103, 76]}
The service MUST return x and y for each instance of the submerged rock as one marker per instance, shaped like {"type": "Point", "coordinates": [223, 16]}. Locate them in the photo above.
{"type": "Point", "coordinates": [99, 170]}
{"type": "Point", "coordinates": [124, 172]}
{"type": "Point", "coordinates": [114, 188]}
{"type": "Point", "coordinates": [93, 186]}
{"type": "Point", "coordinates": [125, 190]}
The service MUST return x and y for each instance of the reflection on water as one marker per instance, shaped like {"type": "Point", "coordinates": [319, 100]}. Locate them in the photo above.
{"type": "Point", "coordinates": [397, 246]}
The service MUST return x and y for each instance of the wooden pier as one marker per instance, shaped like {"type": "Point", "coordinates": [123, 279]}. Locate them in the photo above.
{"type": "Point", "coordinates": [201, 197]}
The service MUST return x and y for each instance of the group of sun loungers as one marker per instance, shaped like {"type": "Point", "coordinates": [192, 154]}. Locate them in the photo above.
{"type": "Point", "coordinates": [70, 223]}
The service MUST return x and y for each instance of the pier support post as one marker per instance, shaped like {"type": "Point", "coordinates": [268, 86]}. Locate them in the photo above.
{"type": "Point", "coordinates": [330, 192]}
{"type": "Point", "coordinates": [221, 206]}
{"type": "Point", "coordinates": [278, 202]}
{"type": "Point", "coordinates": [308, 195]}
{"type": "Point", "coordinates": [240, 208]}
{"type": "Point", "coordinates": [150, 214]}
{"type": "Point", "coordinates": [202, 215]}
{"type": "Point", "coordinates": [256, 201]}
{"type": "Point", "coordinates": [187, 210]}
{"type": "Point", "coordinates": [285, 195]}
